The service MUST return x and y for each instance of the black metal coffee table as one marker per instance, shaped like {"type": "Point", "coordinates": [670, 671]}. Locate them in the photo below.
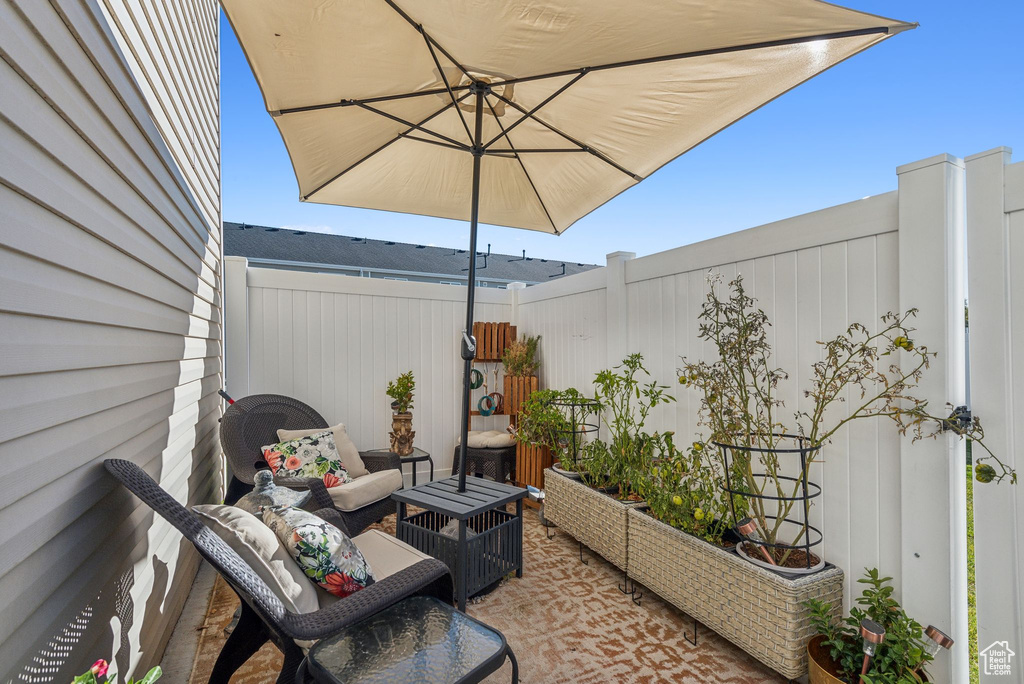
{"type": "Point", "coordinates": [470, 531]}
{"type": "Point", "coordinates": [419, 639]}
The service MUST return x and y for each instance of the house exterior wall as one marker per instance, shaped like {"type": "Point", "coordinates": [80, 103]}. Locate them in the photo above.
{"type": "Point", "coordinates": [110, 263]}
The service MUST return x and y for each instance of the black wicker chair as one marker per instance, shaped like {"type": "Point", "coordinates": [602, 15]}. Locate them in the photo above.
{"type": "Point", "coordinates": [252, 422]}
{"type": "Point", "coordinates": [263, 616]}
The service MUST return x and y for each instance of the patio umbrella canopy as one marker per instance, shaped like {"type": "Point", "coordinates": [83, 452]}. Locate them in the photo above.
{"type": "Point", "coordinates": [521, 114]}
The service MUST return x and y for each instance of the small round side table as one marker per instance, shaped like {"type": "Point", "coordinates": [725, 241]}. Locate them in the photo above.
{"type": "Point", "coordinates": [417, 456]}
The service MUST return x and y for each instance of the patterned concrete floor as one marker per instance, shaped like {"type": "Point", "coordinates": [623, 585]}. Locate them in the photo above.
{"type": "Point", "coordinates": [566, 621]}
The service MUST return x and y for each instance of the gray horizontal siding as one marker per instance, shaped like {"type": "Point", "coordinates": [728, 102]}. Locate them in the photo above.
{"type": "Point", "coordinates": [110, 312]}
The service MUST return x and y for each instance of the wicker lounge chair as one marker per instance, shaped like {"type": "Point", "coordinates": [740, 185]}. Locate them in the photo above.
{"type": "Point", "coordinates": [252, 422]}
{"type": "Point", "coordinates": [263, 616]}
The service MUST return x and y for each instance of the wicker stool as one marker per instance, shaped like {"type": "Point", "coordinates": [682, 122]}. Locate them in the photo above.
{"type": "Point", "coordinates": [498, 464]}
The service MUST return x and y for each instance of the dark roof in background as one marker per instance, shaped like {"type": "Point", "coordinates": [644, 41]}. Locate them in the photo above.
{"type": "Point", "coordinates": [280, 244]}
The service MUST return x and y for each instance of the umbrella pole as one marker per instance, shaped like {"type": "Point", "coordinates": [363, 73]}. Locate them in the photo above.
{"type": "Point", "coordinates": [468, 342]}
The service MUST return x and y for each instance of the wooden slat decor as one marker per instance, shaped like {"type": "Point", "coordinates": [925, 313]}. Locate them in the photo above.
{"type": "Point", "coordinates": [518, 390]}
{"type": "Point", "coordinates": [492, 339]}
{"type": "Point", "coordinates": [530, 464]}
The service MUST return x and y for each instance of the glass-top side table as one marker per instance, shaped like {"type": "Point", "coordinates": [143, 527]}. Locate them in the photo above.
{"type": "Point", "coordinates": [418, 639]}
{"type": "Point", "coordinates": [417, 456]}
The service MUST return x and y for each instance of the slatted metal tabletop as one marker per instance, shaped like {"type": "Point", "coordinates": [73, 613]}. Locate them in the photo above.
{"type": "Point", "coordinates": [444, 496]}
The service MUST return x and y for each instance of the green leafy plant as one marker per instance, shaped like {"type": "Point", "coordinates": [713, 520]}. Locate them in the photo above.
{"type": "Point", "coordinates": [401, 392]}
{"type": "Point", "coordinates": [520, 357]}
{"type": "Point", "coordinates": [545, 420]}
{"type": "Point", "coordinates": [684, 489]}
{"type": "Point", "coordinates": [99, 669]}
{"type": "Point", "coordinates": [740, 406]}
{"type": "Point", "coordinates": [900, 659]}
{"type": "Point", "coordinates": [626, 404]}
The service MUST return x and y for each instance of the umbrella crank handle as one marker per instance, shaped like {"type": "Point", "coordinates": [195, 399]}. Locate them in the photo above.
{"type": "Point", "coordinates": [468, 346]}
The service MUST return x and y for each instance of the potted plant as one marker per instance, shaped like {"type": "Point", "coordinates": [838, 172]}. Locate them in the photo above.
{"type": "Point", "coordinates": [626, 404]}
{"type": "Point", "coordinates": [764, 461]}
{"type": "Point", "coordinates": [521, 365]}
{"type": "Point", "coordinates": [101, 669]}
{"type": "Point", "coordinates": [594, 510]}
{"type": "Point", "coordinates": [401, 392]}
{"type": "Point", "coordinates": [877, 642]}
{"type": "Point", "coordinates": [542, 424]}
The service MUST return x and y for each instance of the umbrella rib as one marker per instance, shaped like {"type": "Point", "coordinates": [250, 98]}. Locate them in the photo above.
{"type": "Point", "coordinates": [398, 137]}
{"type": "Point", "coordinates": [418, 127]}
{"type": "Point", "coordinates": [419, 28]}
{"type": "Point", "coordinates": [504, 132]}
{"type": "Point", "coordinates": [520, 150]}
{"type": "Point", "coordinates": [853, 33]}
{"type": "Point", "coordinates": [533, 111]}
{"type": "Point", "coordinates": [366, 100]}
{"type": "Point", "coordinates": [447, 85]}
{"type": "Point", "coordinates": [432, 142]}
{"type": "Point", "coordinates": [574, 141]}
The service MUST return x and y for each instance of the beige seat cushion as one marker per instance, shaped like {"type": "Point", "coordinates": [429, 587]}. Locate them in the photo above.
{"type": "Point", "coordinates": [500, 441]}
{"type": "Point", "coordinates": [487, 439]}
{"type": "Point", "coordinates": [350, 457]}
{"type": "Point", "coordinates": [386, 556]}
{"type": "Point", "coordinates": [260, 548]}
{"type": "Point", "coordinates": [365, 490]}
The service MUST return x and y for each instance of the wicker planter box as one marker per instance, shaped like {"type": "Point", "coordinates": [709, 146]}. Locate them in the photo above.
{"type": "Point", "coordinates": [595, 519]}
{"type": "Point", "coordinates": [756, 609]}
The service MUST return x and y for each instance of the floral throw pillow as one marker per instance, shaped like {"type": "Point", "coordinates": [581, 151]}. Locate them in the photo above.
{"type": "Point", "coordinates": [314, 456]}
{"type": "Point", "coordinates": [324, 553]}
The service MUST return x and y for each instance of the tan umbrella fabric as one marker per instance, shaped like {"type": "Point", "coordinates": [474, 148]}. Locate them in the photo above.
{"type": "Point", "coordinates": [330, 71]}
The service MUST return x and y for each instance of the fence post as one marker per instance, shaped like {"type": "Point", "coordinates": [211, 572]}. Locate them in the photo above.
{"type": "Point", "coordinates": [994, 307]}
{"type": "Point", "coordinates": [236, 326]}
{"type": "Point", "coordinates": [513, 291]}
{"type": "Point", "coordinates": [618, 307]}
{"type": "Point", "coordinates": [932, 472]}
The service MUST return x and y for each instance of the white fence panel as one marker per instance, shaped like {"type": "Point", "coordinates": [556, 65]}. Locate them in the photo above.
{"type": "Point", "coordinates": [810, 292]}
{"type": "Point", "coordinates": [570, 315]}
{"type": "Point", "coordinates": [334, 342]}
{"type": "Point", "coordinates": [814, 275]}
{"type": "Point", "coordinates": [995, 229]}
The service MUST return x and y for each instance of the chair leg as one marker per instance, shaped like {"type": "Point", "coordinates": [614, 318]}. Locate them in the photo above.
{"type": "Point", "coordinates": [289, 671]}
{"type": "Point", "coordinates": [247, 638]}
{"type": "Point", "coordinates": [515, 666]}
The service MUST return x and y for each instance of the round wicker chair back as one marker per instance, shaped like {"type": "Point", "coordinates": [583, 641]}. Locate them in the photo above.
{"type": "Point", "coordinates": [252, 422]}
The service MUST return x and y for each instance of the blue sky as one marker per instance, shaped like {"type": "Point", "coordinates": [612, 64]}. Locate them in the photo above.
{"type": "Point", "coordinates": [952, 85]}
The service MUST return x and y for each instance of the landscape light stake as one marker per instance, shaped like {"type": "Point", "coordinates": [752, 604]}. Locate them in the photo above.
{"type": "Point", "coordinates": [937, 639]}
{"type": "Point", "coordinates": [747, 527]}
{"type": "Point", "coordinates": [873, 634]}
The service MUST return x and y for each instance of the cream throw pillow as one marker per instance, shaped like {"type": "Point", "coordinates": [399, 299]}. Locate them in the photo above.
{"type": "Point", "coordinates": [258, 546]}
{"type": "Point", "coordinates": [346, 447]}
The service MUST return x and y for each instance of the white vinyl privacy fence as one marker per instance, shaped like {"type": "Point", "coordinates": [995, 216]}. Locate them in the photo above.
{"type": "Point", "coordinates": [335, 341]}
{"type": "Point", "coordinates": [995, 232]}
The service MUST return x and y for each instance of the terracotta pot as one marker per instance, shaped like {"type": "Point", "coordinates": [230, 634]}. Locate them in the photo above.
{"type": "Point", "coordinates": [402, 433]}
